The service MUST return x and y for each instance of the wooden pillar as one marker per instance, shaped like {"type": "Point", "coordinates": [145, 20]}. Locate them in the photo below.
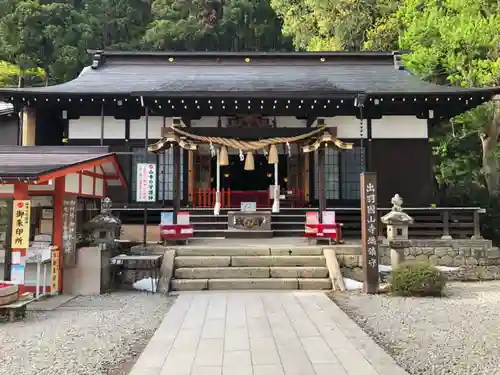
{"type": "Point", "coordinates": [20, 231]}
{"type": "Point", "coordinates": [369, 147]}
{"type": "Point", "coordinates": [177, 180]}
{"type": "Point", "coordinates": [191, 177]}
{"type": "Point", "coordinates": [57, 234]}
{"type": "Point", "coordinates": [321, 181]}
{"type": "Point", "coordinates": [305, 177]}
{"type": "Point", "coordinates": [298, 169]}
{"type": "Point", "coordinates": [29, 126]}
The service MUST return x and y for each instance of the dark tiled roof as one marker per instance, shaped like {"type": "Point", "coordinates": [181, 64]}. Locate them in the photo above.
{"type": "Point", "coordinates": [31, 162]}
{"type": "Point", "coordinates": [265, 75]}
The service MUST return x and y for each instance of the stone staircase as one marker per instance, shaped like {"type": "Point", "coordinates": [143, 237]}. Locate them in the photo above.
{"type": "Point", "coordinates": [247, 267]}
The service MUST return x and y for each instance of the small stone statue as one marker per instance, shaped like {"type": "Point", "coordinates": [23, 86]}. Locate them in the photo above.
{"type": "Point", "coordinates": [106, 205]}
{"type": "Point", "coordinates": [397, 202]}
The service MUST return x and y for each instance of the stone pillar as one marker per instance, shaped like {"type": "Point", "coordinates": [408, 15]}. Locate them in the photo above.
{"type": "Point", "coordinates": [397, 251]}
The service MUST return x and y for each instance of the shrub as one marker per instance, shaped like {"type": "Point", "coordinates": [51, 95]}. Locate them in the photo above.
{"type": "Point", "coordinates": [417, 279]}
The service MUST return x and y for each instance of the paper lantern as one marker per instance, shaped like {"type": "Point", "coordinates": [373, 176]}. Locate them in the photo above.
{"type": "Point", "coordinates": [249, 162]}
{"type": "Point", "coordinates": [223, 157]}
{"type": "Point", "coordinates": [273, 155]}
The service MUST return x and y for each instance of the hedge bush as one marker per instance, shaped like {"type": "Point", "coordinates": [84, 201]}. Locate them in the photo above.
{"type": "Point", "coordinates": [417, 279]}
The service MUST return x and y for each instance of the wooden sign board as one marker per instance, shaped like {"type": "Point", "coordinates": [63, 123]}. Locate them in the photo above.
{"type": "Point", "coordinates": [369, 232]}
{"type": "Point", "coordinates": [69, 232]}
{"type": "Point", "coordinates": [55, 271]}
{"type": "Point", "coordinates": [21, 224]}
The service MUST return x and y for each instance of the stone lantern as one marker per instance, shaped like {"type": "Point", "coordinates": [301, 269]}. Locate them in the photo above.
{"type": "Point", "coordinates": [397, 223]}
{"type": "Point", "coordinates": [104, 227]}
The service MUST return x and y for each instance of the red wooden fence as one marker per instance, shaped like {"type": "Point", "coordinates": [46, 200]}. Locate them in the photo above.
{"type": "Point", "coordinates": [205, 198]}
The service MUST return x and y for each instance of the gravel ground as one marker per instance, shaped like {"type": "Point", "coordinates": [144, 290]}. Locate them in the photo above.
{"type": "Point", "coordinates": [458, 334]}
{"type": "Point", "coordinates": [87, 336]}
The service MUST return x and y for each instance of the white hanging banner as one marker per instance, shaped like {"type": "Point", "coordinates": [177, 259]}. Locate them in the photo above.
{"type": "Point", "coordinates": [146, 182]}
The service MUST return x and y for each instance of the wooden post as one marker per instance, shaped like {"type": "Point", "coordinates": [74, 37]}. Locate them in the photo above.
{"type": "Point", "coordinates": [446, 226]}
{"type": "Point", "coordinates": [177, 180]}
{"type": "Point", "coordinates": [321, 182]}
{"type": "Point", "coordinates": [191, 177]}
{"type": "Point", "coordinates": [305, 177]}
{"type": "Point", "coordinates": [57, 238]}
{"type": "Point", "coordinates": [21, 226]}
{"type": "Point", "coordinates": [369, 232]}
{"type": "Point", "coordinates": [8, 241]}
{"type": "Point", "coordinates": [477, 226]}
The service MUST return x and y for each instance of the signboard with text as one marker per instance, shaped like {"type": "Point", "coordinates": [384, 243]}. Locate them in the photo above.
{"type": "Point", "coordinates": [21, 224]}
{"type": "Point", "coordinates": [146, 182]}
{"type": "Point", "coordinates": [55, 271]}
{"type": "Point", "coordinates": [248, 206]}
{"type": "Point", "coordinates": [69, 232]}
{"type": "Point", "coordinates": [369, 232]}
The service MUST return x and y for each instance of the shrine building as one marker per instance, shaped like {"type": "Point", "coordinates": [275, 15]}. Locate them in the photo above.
{"type": "Point", "coordinates": [225, 128]}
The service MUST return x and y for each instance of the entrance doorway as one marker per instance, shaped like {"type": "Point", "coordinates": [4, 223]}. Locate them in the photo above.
{"type": "Point", "coordinates": [235, 177]}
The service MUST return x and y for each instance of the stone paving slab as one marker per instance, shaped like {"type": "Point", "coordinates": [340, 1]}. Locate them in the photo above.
{"type": "Point", "coordinates": [261, 333]}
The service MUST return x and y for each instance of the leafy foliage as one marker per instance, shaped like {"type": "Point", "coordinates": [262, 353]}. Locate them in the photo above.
{"type": "Point", "coordinates": [53, 34]}
{"type": "Point", "coordinates": [452, 42]}
{"type": "Point", "coordinates": [319, 25]}
{"type": "Point", "coordinates": [417, 279]}
{"type": "Point", "coordinates": [9, 75]}
{"type": "Point", "coordinates": [238, 25]}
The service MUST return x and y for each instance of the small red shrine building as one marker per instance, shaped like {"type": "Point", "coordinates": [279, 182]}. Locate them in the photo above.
{"type": "Point", "coordinates": [45, 190]}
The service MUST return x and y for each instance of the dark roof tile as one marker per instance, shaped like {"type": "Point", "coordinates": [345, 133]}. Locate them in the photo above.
{"type": "Point", "coordinates": [266, 75]}
{"type": "Point", "coordinates": [31, 162]}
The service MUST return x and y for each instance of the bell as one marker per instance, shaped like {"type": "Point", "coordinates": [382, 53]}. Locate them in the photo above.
{"type": "Point", "coordinates": [273, 155]}
{"type": "Point", "coordinates": [249, 163]}
{"type": "Point", "coordinates": [224, 158]}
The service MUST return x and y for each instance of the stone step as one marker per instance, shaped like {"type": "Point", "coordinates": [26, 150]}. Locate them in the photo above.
{"type": "Point", "coordinates": [250, 261]}
{"type": "Point", "coordinates": [201, 261]}
{"type": "Point", "coordinates": [279, 261]}
{"type": "Point", "coordinates": [250, 284]}
{"type": "Point", "coordinates": [247, 251]}
{"type": "Point", "coordinates": [250, 272]}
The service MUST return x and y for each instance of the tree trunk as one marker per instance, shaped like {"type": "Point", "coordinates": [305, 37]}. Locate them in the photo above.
{"type": "Point", "coordinates": [489, 140]}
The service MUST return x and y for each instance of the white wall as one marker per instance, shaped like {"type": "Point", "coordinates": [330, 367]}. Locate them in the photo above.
{"type": "Point", "coordinates": [348, 127]}
{"type": "Point", "coordinates": [399, 127]}
{"type": "Point", "coordinates": [90, 127]}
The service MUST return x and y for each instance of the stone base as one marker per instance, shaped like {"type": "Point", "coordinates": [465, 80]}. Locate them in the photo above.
{"type": "Point", "coordinates": [234, 233]}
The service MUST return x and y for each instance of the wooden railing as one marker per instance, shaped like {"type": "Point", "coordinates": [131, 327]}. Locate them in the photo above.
{"type": "Point", "coordinates": [457, 222]}
{"type": "Point", "coordinates": [205, 198]}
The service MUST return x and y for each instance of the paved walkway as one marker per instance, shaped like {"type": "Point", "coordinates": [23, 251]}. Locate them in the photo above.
{"type": "Point", "coordinates": [261, 333]}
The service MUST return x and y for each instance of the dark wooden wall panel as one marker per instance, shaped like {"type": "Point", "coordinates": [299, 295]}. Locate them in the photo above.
{"type": "Point", "coordinates": [403, 166]}
{"type": "Point", "coordinates": [119, 194]}
{"type": "Point", "coordinates": [10, 130]}
{"type": "Point", "coordinates": [49, 127]}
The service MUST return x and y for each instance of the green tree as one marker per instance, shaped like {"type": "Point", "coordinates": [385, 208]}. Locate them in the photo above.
{"type": "Point", "coordinates": [114, 24]}
{"type": "Point", "coordinates": [457, 42]}
{"type": "Point", "coordinates": [325, 25]}
{"type": "Point", "coordinates": [9, 75]}
{"type": "Point", "coordinates": [199, 25]}
{"type": "Point", "coordinates": [38, 35]}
